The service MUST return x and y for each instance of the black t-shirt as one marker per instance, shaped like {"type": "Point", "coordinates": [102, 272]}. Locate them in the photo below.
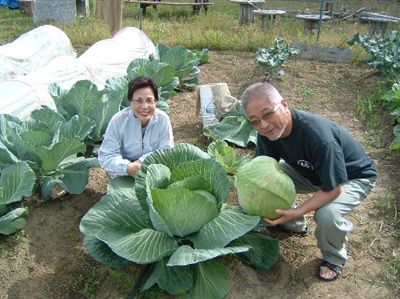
{"type": "Point", "coordinates": [320, 150]}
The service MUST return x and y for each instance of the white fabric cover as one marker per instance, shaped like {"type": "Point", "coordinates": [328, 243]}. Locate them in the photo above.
{"type": "Point", "coordinates": [33, 50]}
{"type": "Point", "coordinates": [22, 93]}
{"type": "Point", "coordinates": [19, 98]}
{"type": "Point", "coordinates": [110, 57]}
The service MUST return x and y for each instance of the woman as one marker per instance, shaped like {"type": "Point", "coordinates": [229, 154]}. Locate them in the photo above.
{"type": "Point", "coordinates": [135, 131]}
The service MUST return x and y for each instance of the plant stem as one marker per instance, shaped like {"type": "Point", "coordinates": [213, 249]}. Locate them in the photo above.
{"type": "Point", "coordinates": [143, 276]}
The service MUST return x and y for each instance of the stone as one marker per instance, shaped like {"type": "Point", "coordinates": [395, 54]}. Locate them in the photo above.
{"type": "Point", "coordinates": [327, 54]}
{"type": "Point", "coordinates": [62, 11]}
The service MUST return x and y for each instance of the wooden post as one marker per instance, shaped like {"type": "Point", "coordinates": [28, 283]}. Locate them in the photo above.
{"type": "Point", "coordinates": [246, 13]}
{"type": "Point", "coordinates": [111, 12]}
{"type": "Point", "coordinates": [26, 7]}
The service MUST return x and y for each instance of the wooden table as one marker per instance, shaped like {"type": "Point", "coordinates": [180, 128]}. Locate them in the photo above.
{"type": "Point", "coordinates": [377, 25]}
{"type": "Point", "coordinates": [246, 10]}
{"type": "Point", "coordinates": [311, 21]}
{"type": "Point", "coordinates": [268, 15]}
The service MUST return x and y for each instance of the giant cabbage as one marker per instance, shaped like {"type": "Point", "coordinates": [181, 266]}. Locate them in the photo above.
{"type": "Point", "coordinates": [174, 215]}
{"type": "Point", "coordinates": [262, 187]}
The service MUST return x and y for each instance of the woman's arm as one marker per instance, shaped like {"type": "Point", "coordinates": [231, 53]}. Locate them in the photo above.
{"type": "Point", "coordinates": [109, 156]}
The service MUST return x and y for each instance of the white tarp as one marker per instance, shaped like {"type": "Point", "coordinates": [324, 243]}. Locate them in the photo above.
{"type": "Point", "coordinates": [105, 59]}
{"type": "Point", "coordinates": [33, 50]}
{"type": "Point", "coordinates": [18, 98]}
{"type": "Point", "coordinates": [110, 57]}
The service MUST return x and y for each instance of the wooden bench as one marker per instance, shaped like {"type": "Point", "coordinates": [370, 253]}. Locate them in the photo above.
{"type": "Point", "coordinates": [197, 4]}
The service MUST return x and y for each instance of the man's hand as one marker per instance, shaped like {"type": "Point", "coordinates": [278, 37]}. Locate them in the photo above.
{"type": "Point", "coordinates": [133, 167]}
{"type": "Point", "coordinates": [319, 199]}
{"type": "Point", "coordinates": [285, 216]}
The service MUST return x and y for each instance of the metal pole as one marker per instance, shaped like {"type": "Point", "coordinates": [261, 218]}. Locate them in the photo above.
{"type": "Point", "coordinates": [140, 15]}
{"type": "Point", "coordinates": [320, 17]}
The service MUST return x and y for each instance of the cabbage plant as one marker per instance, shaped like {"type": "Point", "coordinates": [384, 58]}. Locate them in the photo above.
{"type": "Point", "coordinates": [49, 144]}
{"type": "Point", "coordinates": [384, 51]}
{"type": "Point", "coordinates": [234, 127]}
{"type": "Point", "coordinates": [262, 187]}
{"type": "Point", "coordinates": [221, 152]}
{"type": "Point", "coordinates": [184, 61]}
{"type": "Point", "coordinates": [174, 218]}
{"type": "Point", "coordinates": [85, 100]}
{"type": "Point", "coordinates": [273, 57]}
{"type": "Point", "coordinates": [16, 181]}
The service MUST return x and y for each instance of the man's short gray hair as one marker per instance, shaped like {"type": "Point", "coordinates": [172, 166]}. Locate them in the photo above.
{"type": "Point", "coordinates": [260, 90]}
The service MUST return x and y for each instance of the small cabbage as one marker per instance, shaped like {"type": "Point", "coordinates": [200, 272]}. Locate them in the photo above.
{"type": "Point", "coordinates": [262, 187]}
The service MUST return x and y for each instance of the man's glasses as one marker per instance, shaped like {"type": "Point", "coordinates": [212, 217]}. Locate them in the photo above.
{"type": "Point", "coordinates": [141, 102]}
{"type": "Point", "coordinates": [267, 116]}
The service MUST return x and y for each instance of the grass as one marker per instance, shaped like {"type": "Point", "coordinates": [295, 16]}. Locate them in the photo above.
{"type": "Point", "coordinates": [388, 204]}
{"type": "Point", "coordinates": [219, 29]}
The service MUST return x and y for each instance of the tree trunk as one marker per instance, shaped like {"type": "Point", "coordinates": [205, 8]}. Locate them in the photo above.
{"type": "Point", "coordinates": [111, 12]}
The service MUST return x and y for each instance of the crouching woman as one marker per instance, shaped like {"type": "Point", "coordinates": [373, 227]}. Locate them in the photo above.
{"type": "Point", "coordinates": [136, 131]}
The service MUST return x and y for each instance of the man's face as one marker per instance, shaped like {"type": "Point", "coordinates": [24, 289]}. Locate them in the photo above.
{"type": "Point", "coordinates": [272, 120]}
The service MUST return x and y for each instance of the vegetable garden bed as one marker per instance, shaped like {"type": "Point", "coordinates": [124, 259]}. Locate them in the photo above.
{"type": "Point", "coordinates": [47, 258]}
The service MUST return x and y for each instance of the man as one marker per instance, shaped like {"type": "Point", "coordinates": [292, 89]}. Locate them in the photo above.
{"type": "Point", "coordinates": [321, 158]}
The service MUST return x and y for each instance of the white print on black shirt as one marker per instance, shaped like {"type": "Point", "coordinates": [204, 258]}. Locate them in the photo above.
{"type": "Point", "coordinates": [305, 164]}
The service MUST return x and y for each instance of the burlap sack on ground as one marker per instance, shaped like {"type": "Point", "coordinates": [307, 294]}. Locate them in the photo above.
{"type": "Point", "coordinates": [222, 98]}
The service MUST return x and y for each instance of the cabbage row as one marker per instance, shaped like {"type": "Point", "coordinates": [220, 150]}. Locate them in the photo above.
{"type": "Point", "coordinates": [52, 144]}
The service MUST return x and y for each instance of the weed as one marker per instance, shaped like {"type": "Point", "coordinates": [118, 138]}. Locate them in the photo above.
{"type": "Point", "coordinates": [391, 270]}
{"type": "Point", "coordinates": [125, 277]}
{"type": "Point", "coordinates": [306, 91]}
{"type": "Point", "coordinates": [8, 243]}
{"type": "Point", "coordinates": [387, 205]}
{"type": "Point", "coordinates": [306, 94]}
{"type": "Point", "coordinates": [87, 282]}
{"type": "Point", "coordinates": [367, 105]}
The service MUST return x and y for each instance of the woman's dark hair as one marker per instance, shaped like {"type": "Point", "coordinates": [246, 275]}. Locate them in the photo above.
{"type": "Point", "coordinates": [142, 82]}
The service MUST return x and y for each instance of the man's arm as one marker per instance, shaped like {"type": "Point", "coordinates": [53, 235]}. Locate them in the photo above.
{"type": "Point", "coordinates": [318, 200]}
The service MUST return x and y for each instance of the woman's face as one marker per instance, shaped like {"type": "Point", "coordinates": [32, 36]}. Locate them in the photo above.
{"type": "Point", "coordinates": [143, 104]}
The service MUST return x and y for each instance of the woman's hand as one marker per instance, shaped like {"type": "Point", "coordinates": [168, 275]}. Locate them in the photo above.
{"type": "Point", "coordinates": [133, 167]}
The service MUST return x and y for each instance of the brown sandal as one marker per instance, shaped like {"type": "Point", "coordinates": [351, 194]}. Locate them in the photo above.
{"type": "Point", "coordinates": [334, 268]}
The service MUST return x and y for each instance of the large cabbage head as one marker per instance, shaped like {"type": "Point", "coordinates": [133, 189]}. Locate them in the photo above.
{"type": "Point", "coordinates": [262, 187]}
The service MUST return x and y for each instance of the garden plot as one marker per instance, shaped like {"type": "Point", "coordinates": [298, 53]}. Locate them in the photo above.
{"type": "Point", "coordinates": [46, 260]}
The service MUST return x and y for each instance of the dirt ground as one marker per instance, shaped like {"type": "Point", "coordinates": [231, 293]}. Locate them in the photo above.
{"type": "Point", "coordinates": [47, 260]}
